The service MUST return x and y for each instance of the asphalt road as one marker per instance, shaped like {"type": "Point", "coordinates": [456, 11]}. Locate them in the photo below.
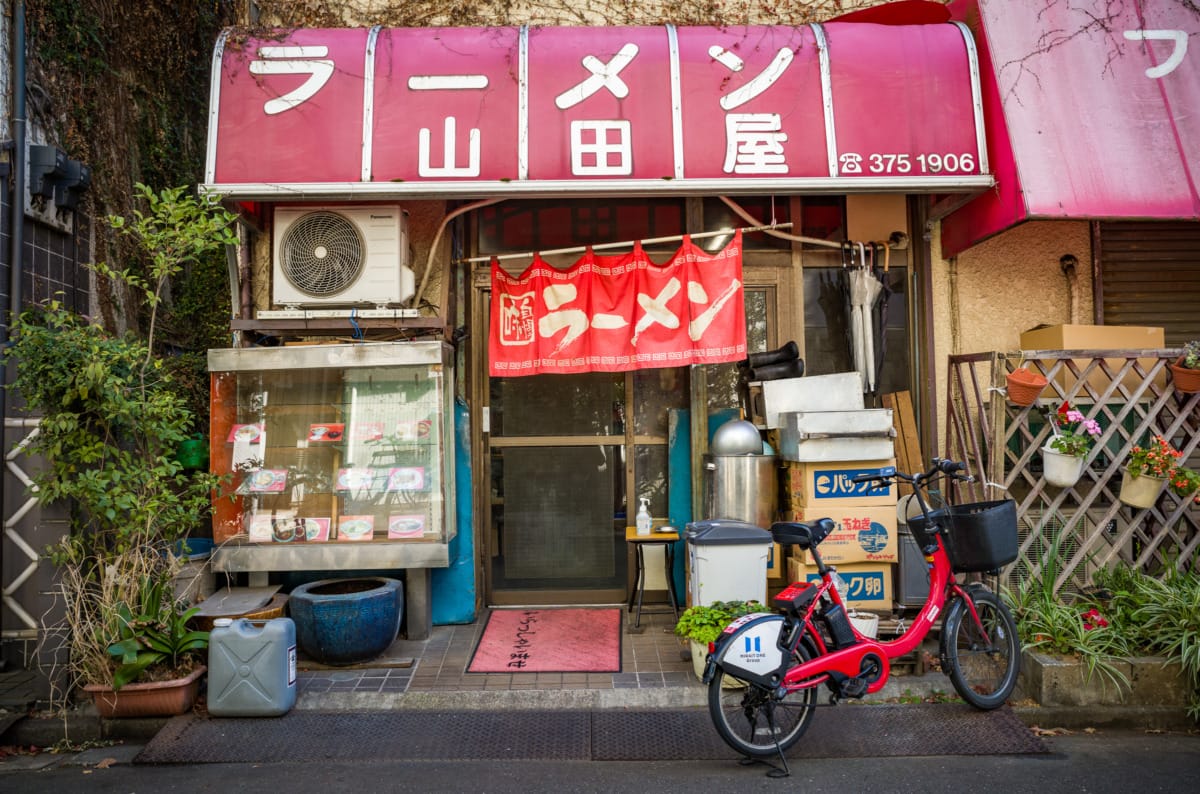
{"type": "Point", "coordinates": [1080, 762]}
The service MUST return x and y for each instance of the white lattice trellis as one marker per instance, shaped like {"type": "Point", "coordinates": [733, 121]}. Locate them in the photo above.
{"type": "Point", "coordinates": [13, 536]}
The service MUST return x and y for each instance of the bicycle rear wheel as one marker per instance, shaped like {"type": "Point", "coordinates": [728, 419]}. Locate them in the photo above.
{"type": "Point", "coordinates": [982, 665]}
{"type": "Point", "coordinates": [749, 718]}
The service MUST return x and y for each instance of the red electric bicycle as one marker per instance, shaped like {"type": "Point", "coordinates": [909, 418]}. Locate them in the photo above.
{"type": "Point", "coordinates": [764, 671]}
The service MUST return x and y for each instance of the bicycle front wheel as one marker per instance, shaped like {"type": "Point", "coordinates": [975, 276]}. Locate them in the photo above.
{"type": "Point", "coordinates": [750, 719]}
{"type": "Point", "coordinates": [982, 659]}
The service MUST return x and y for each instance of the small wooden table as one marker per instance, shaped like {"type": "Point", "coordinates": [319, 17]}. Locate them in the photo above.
{"type": "Point", "coordinates": [667, 539]}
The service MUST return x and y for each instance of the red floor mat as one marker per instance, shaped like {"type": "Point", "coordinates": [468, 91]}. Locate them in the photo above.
{"type": "Point", "coordinates": [550, 641]}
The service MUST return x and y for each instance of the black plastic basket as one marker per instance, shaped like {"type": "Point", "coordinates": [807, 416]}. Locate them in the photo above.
{"type": "Point", "coordinates": [982, 536]}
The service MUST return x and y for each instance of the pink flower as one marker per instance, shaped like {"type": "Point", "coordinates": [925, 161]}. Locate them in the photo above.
{"type": "Point", "coordinates": [1092, 619]}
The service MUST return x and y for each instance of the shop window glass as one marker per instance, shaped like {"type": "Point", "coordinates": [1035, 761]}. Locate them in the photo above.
{"type": "Point", "coordinates": [723, 378]}
{"type": "Point", "coordinates": [515, 227]}
{"type": "Point", "coordinates": [719, 215]}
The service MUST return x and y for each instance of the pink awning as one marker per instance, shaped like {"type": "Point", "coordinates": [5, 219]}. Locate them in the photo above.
{"type": "Point", "coordinates": [410, 112]}
{"type": "Point", "coordinates": [1092, 110]}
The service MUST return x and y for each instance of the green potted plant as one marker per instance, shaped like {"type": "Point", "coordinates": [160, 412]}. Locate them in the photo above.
{"type": "Point", "coordinates": [1185, 370]}
{"type": "Point", "coordinates": [111, 422]}
{"type": "Point", "coordinates": [1065, 453]}
{"type": "Point", "coordinates": [1185, 483]}
{"type": "Point", "coordinates": [1146, 472]}
{"type": "Point", "coordinates": [155, 659]}
{"type": "Point", "coordinates": [701, 625]}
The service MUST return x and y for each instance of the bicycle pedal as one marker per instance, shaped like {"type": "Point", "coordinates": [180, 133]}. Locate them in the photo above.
{"type": "Point", "coordinates": [854, 687]}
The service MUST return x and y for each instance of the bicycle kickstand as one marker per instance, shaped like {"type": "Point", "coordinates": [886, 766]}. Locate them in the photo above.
{"type": "Point", "coordinates": [775, 771]}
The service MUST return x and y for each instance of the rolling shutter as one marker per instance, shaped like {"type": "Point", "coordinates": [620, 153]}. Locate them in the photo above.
{"type": "Point", "coordinates": [1150, 275]}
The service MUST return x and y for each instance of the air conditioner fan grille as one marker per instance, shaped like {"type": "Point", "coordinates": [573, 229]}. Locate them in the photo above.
{"type": "Point", "coordinates": [322, 254]}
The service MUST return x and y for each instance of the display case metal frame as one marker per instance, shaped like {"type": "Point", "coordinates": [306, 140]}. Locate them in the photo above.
{"type": "Point", "coordinates": [259, 559]}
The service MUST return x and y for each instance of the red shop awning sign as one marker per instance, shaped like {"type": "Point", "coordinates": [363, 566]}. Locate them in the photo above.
{"type": "Point", "coordinates": [420, 112]}
{"type": "Point", "coordinates": [612, 313]}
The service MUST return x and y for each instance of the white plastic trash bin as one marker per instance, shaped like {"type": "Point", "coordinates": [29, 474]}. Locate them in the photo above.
{"type": "Point", "coordinates": [727, 561]}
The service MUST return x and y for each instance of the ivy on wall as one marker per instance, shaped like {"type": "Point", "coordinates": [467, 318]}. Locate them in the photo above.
{"type": "Point", "coordinates": [421, 13]}
{"type": "Point", "coordinates": [123, 87]}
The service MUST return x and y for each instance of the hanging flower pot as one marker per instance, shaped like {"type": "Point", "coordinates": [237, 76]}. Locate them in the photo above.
{"type": "Point", "coordinates": [1140, 491]}
{"type": "Point", "coordinates": [1060, 469]}
{"type": "Point", "coordinates": [1024, 385]}
{"type": "Point", "coordinates": [1185, 380]}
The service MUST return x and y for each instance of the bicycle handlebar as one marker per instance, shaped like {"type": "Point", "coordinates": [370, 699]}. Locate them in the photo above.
{"type": "Point", "coordinates": [887, 474]}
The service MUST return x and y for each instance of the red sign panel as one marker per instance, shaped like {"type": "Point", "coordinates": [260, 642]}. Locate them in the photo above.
{"type": "Point", "coordinates": [619, 312]}
{"type": "Point", "coordinates": [434, 110]}
{"type": "Point", "coordinates": [440, 97]}
{"type": "Point", "coordinates": [1102, 122]}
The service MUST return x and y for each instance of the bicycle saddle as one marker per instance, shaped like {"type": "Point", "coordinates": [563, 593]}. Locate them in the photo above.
{"type": "Point", "coordinates": [796, 533]}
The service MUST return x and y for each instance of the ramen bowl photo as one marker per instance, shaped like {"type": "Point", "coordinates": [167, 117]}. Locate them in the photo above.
{"type": "Point", "coordinates": [356, 528]}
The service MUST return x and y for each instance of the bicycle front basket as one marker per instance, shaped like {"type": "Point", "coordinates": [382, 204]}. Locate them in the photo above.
{"type": "Point", "coordinates": [982, 536]}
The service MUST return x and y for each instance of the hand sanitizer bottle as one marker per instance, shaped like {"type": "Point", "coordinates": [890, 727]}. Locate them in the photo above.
{"type": "Point", "coordinates": [643, 519]}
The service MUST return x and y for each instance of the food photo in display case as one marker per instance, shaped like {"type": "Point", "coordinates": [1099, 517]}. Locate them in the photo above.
{"type": "Point", "coordinates": [265, 481]}
{"type": "Point", "coordinates": [409, 478]}
{"type": "Point", "coordinates": [249, 434]}
{"type": "Point", "coordinates": [356, 527]}
{"type": "Point", "coordinates": [407, 526]}
{"type": "Point", "coordinates": [360, 479]}
{"type": "Point", "coordinates": [326, 433]}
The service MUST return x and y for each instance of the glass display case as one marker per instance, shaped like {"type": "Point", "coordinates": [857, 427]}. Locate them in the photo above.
{"type": "Point", "coordinates": [337, 456]}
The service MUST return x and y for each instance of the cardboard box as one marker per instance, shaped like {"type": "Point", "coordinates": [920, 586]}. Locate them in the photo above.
{"type": "Point", "coordinates": [775, 562]}
{"type": "Point", "coordinates": [1096, 337]}
{"type": "Point", "coordinates": [828, 485]}
{"type": "Point", "coordinates": [863, 534]}
{"type": "Point", "coordinates": [868, 584]}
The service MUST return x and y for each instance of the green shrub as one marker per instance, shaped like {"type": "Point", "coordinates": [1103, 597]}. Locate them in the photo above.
{"type": "Point", "coordinates": [704, 624]}
{"type": "Point", "coordinates": [1128, 613]}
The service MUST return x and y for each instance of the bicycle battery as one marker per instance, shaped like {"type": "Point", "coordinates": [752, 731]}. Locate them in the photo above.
{"type": "Point", "coordinates": [749, 649]}
{"type": "Point", "coordinates": [837, 625]}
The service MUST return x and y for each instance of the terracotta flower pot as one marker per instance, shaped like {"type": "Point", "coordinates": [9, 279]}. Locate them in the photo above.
{"type": "Point", "coordinates": [1185, 380]}
{"type": "Point", "coordinates": [1141, 491]}
{"type": "Point", "coordinates": [1024, 385]}
{"type": "Point", "coordinates": [152, 699]}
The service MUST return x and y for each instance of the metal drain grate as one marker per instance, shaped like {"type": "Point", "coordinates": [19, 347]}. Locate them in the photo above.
{"type": "Point", "coordinates": [841, 732]}
{"type": "Point", "coordinates": [404, 735]}
{"type": "Point", "coordinates": [616, 735]}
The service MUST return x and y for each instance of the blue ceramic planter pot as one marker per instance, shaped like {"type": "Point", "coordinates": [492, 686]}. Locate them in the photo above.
{"type": "Point", "coordinates": [345, 621]}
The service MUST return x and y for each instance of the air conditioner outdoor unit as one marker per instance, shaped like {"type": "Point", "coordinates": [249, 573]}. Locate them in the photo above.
{"type": "Point", "coordinates": [341, 256]}
{"type": "Point", "coordinates": [1060, 536]}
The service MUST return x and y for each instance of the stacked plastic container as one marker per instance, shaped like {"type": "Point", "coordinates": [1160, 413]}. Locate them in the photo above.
{"type": "Point", "coordinates": [826, 438]}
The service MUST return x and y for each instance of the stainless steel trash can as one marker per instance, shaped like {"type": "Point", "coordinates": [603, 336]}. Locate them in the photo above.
{"type": "Point", "coordinates": [742, 487]}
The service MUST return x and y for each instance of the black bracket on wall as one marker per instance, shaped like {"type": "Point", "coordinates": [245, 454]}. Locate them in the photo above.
{"type": "Point", "coordinates": [67, 192]}
{"type": "Point", "coordinates": [47, 165]}
{"type": "Point", "coordinates": [55, 177]}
